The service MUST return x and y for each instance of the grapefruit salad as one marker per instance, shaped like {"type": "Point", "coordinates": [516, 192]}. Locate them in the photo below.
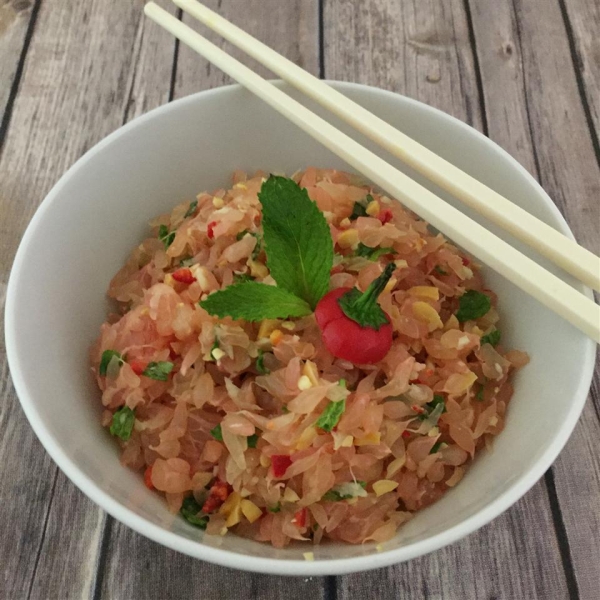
{"type": "Point", "coordinates": [301, 359]}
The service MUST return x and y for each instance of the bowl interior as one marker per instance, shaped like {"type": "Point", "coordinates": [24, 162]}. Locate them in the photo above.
{"type": "Point", "coordinates": [99, 211]}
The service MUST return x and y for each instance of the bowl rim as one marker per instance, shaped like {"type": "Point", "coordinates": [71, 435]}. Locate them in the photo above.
{"type": "Point", "coordinates": [227, 558]}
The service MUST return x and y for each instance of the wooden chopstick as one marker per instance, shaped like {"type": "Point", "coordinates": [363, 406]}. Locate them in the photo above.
{"type": "Point", "coordinates": [549, 242]}
{"type": "Point", "coordinates": [506, 260]}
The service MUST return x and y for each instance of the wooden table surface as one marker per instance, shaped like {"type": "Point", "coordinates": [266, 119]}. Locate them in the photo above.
{"type": "Point", "coordinates": [525, 72]}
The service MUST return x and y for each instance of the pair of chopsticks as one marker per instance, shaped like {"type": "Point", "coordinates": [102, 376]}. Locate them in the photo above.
{"type": "Point", "coordinates": [548, 289]}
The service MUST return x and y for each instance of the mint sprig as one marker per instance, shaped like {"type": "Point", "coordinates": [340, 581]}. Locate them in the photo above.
{"type": "Point", "coordinates": [253, 301]}
{"type": "Point", "coordinates": [297, 239]}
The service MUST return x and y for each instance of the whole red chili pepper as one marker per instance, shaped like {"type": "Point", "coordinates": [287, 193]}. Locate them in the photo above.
{"type": "Point", "coordinates": [353, 325]}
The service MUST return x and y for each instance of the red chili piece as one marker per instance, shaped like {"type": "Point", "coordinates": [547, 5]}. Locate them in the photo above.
{"type": "Point", "coordinates": [300, 518]}
{"type": "Point", "coordinates": [385, 215]}
{"type": "Point", "coordinates": [416, 408]}
{"type": "Point", "coordinates": [137, 366]}
{"type": "Point", "coordinates": [351, 338]}
{"type": "Point", "coordinates": [148, 478]}
{"type": "Point", "coordinates": [280, 464]}
{"type": "Point", "coordinates": [209, 229]}
{"type": "Point", "coordinates": [184, 275]}
{"type": "Point", "coordinates": [217, 495]}
{"type": "Point", "coordinates": [465, 261]}
{"type": "Point", "coordinates": [406, 434]}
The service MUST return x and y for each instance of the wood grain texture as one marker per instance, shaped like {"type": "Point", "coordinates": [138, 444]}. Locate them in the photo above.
{"type": "Point", "coordinates": [527, 530]}
{"type": "Point", "coordinates": [15, 17]}
{"type": "Point", "coordinates": [77, 86]}
{"type": "Point", "coordinates": [290, 27]}
{"type": "Point", "coordinates": [582, 20]}
{"type": "Point", "coordinates": [528, 78]}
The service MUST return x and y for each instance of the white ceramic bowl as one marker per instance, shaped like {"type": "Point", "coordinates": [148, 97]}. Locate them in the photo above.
{"type": "Point", "coordinates": [99, 210]}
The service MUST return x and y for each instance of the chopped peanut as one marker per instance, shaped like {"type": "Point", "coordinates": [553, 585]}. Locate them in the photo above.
{"type": "Point", "coordinates": [373, 208]}
{"type": "Point", "coordinates": [348, 238]}
{"type": "Point", "coordinates": [289, 495]}
{"type": "Point", "coordinates": [369, 439]}
{"type": "Point", "coordinates": [427, 314]}
{"type": "Point", "coordinates": [257, 269]}
{"type": "Point", "coordinates": [267, 327]}
{"type": "Point", "coordinates": [276, 336]}
{"type": "Point", "coordinates": [310, 370]}
{"type": "Point", "coordinates": [304, 383]}
{"type": "Point", "coordinates": [383, 486]}
{"type": "Point", "coordinates": [250, 510]}
{"type": "Point", "coordinates": [425, 291]}
{"type": "Point", "coordinates": [218, 202]}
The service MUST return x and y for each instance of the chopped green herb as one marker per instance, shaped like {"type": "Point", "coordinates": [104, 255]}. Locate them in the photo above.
{"type": "Point", "coordinates": [473, 305]}
{"type": "Point", "coordinates": [297, 240]}
{"type": "Point", "coordinates": [190, 510]}
{"type": "Point", "coordinates": [192, 209]}
{"type": "Point", "coordinates": [252, 440]}
{"type": "Point", "coordinates": [186, 261]}
{"type": "Point", "coordinates": [435, 448]}
{"type": "Point", "coordinates": [255, 234]}
{"type": "Point", "coordinates": [275, 509]}
{"type": "Point", "coordinates": [479, 394]}
{"type": "Point", "coordinates": [285, 410]}
{"type": "Point", "coordinates": [331, 415]}
{"type": "Point", "coordinates": [107, 356]}
{"type": "Point", "coordinates": [166, 236]}
{"type": "Point", "coordinates": [333, 496]}
{"type": "Point", "coordinates": [437, 399]}
{"type": "Point", "coordinates": [217, 433]}
{"type": "Point", "coordinates": [122, 423]}
{"type": "Point", "coordinates": [372, 253]}
{"type": "Point", "coordinates": [345, 491]}
{"type": "Point", "coordinates": [492, 338]}
{"type": "Point", "coordinates": [342, 383]}
{"type": "Point", "coordinates": [439, 270]}
{"type": "Point", "coordinates": [360, 208]}
{"type": "Point", "coordinates": [242, 277]}
{"type": "Point", "coordinates": [253, 301]}
{"type": "Point", "coordinates": [260, 363]}
{"type": "Point", "coordinates": [315, 527]}
{"type": "Point", "coordinates": [158, 370]}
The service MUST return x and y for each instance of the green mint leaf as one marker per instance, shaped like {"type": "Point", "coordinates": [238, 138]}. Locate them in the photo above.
{"type": "Point", "coordinates": [252, 440]}
{"type": "Point", "coordinates": [331, 415]}
{"type": "Point", "coordinates": [275, 509]}
{"type": "Point", "coordinates": [362, 307]}
{"type": "Point", "coordinates": [158, 370]}
{"type": "Point", "coordinates": [297, 240]}
{"type": "Point", "coordinates": [492, 338]}
{"type": "Point", "coordinates": [260, 363]}
{"type": "Point", "coordinates": [122, 423]}
{"type": "Point", "coordinates": [439, 270]}
{"type": "Point", "coordinates": [435, 448]}
{"type": "Point", "coordinates": [242, 277]}
{"type": "Point", "coordinates": [253, 301]}
{"type": "Point", "coordinates": [191, 210]}
{"type": "Point", "coordinates": [472, 305]}
{"type": "Point", "coordinates": [217, 433]}
{"type": "Point", "coordinates": [107, 356]}
{"type": "Point", "coordinates": [190, 510]}
{"type": "Point", "coordinates": [372, 253]}
{"type": "Point", "coordinates": [360, 208]}
{"type": "Point", "coordinates": [166, 236]}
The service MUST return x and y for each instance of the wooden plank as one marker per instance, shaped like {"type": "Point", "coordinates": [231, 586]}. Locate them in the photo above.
{"type": "Point", "coordinates": [528, 78]}
{"type": "Point", "coordinates": [134, 566]}
{"type": "Point", "coordinates": [582, 20]}
{"type": "Point", "coordinates": [15, 18]}
{"type": "Point", "coordinates": [60, 112]}
{"type": "Point", "coordinates": [423, 49]}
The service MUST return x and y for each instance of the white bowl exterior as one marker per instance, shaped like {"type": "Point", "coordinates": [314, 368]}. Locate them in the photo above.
{"type": "Point", "coordinates": [98, 211]}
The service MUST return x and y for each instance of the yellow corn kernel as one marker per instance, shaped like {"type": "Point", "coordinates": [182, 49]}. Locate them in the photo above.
{"type": "Point", "coordinates": [290, 495]}
{"type": "Point", "coordinates": [428, 292]}
{"type": "Point", "coordinates": [348, 238]}
{"type": "Point", "coordinates": [451, 323]}
{"type": "Point", "coordinates": [345, 223]}
{"type": "Point", "coordinates": [383, 486]}
{"type": "Point", "coordinates": [373, 208]}
{"type": "Point", "coordinates": [276, 337]}
{"type": "Point", "coordinates": [390, 285]}
{"type": "Point", "coordinates": [251, 511]}
{"type": "Point", "coordinates": [306, 438]}
{"type": "Point", "coordinates": [347, 442]}
{"type": "Point", "coordinates": [266, 327]}
{"type": "Point", "coordinates": [218, 202]}
{"type": "Point", "coordinates": [369, 439]}
{"type": "Point", "coordinates": [169, 280]}
{"type": "Point", "coordinates": [265, 461]}
{"type": "Point", "coordinates": [310, 370]}
{"type": "Point", "coordinates": [309, 556]}
{"type": "Point", "coordinates": [304, 383]}
{"type": "Point", "coordinates": [427, 314]}
{"type": "Point", "coordinates": [395, 466]}
{"type": "Point", "coordinates": [257, 269]}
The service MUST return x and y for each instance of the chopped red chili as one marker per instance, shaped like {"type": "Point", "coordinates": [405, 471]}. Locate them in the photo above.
{"type": "Point", "coordinates": [300, 518]}
{"type": "Point", "coordinates": [280, 464]}
{"type": "Point", "coordinates": [210, 229]}
{"type": "Point", "coordinates": [148, 478]}
{"type": "Point", "coordinates": [137, 366]}
{"type": "Point", "coordinates": [184, 275]}
{"type": "Point", "coordinates": [217, 495]}
{"type": "Point", "coordinates": [385, 215]}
